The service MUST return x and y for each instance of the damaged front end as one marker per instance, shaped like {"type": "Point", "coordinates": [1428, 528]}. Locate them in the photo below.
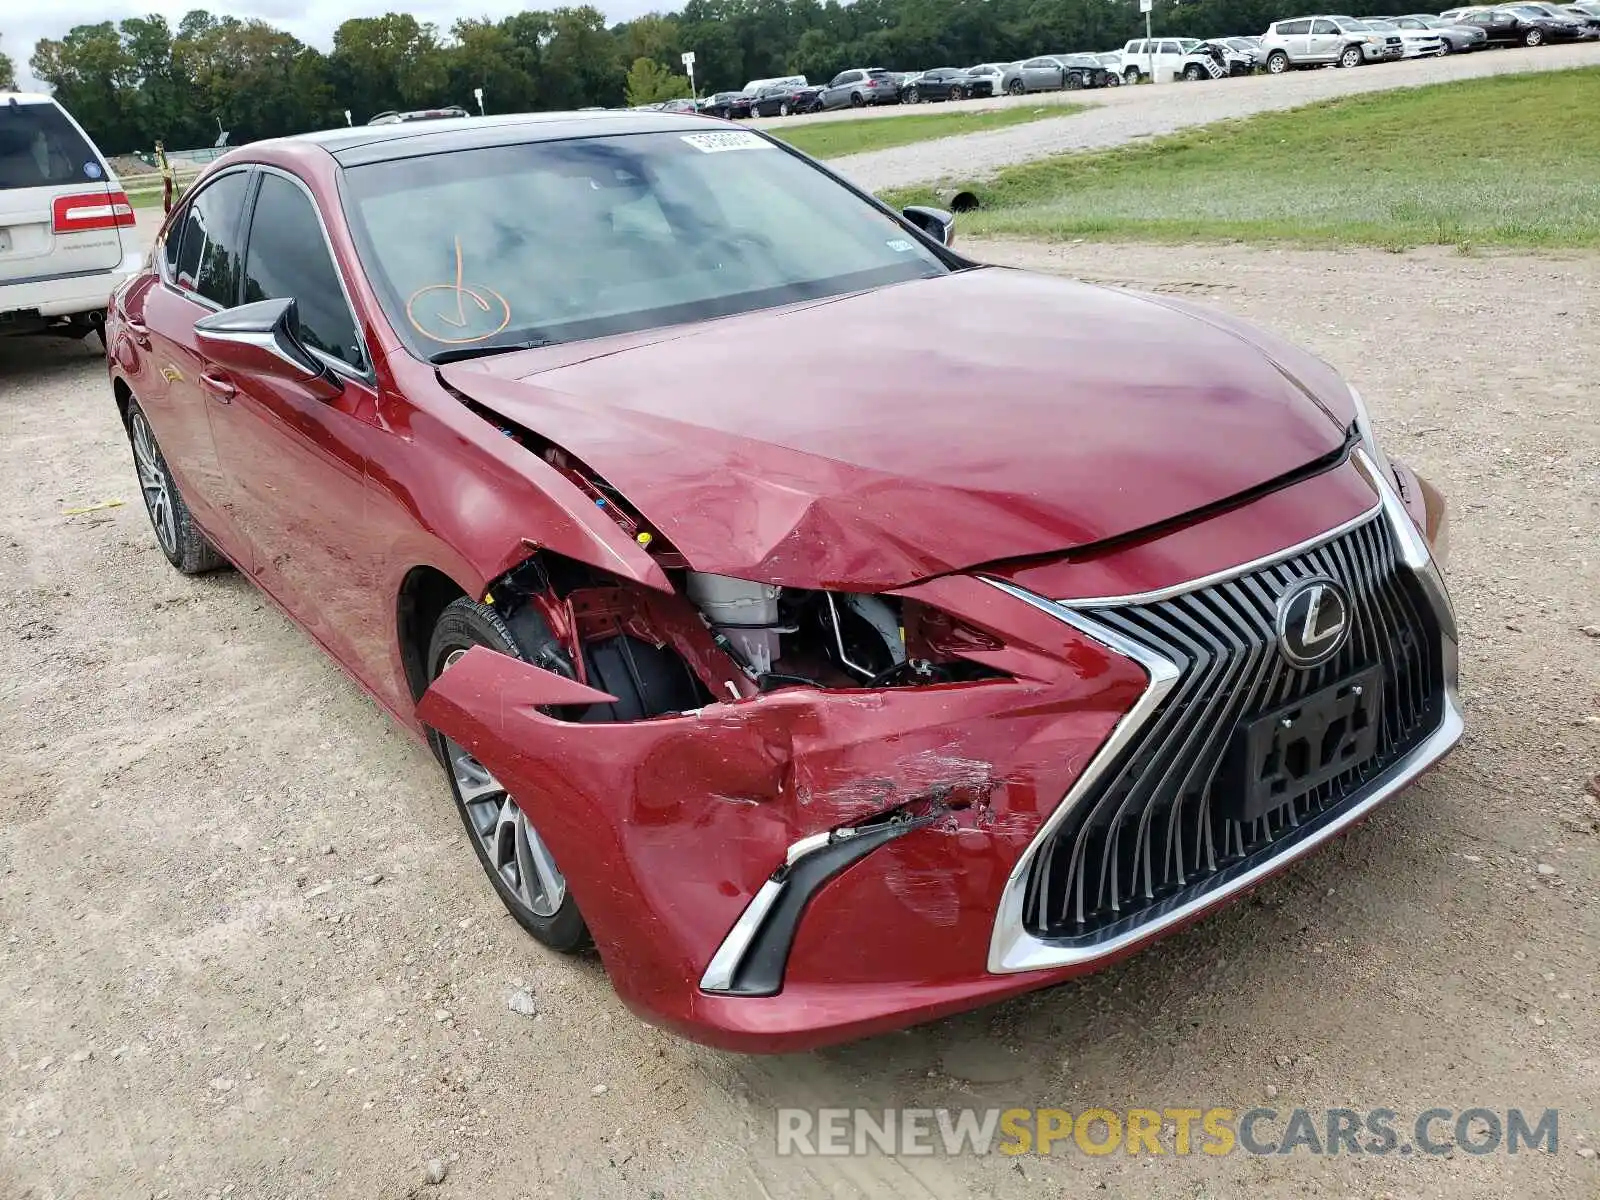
{"type": "Point", "coordinates": [708, 765]}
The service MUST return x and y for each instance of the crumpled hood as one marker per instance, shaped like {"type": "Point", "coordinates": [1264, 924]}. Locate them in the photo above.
{"type": "Point", "coordinates": [880, 438]}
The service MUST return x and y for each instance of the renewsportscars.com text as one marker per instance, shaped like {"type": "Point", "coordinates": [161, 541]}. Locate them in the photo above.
{"type": "Point", "coordinates": [838, 1132]}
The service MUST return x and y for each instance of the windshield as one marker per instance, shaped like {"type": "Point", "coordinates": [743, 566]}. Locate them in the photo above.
{"type": "Point", "coordinates": [559, 241]}
{"type": "Point", "coordinates": [1380, 24]}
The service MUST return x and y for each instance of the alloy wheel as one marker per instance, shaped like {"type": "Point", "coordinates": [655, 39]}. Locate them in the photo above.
{"type": "Point", "coordinates": [509, 842]}
{"type": "Point", "coordinates": [154, 484]}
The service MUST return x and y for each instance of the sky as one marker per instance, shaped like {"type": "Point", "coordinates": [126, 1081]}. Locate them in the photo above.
{"type": "Point", "coordinates": [24, 22]}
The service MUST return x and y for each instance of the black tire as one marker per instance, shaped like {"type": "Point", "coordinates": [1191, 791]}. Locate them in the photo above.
{"type": "Point", "coordinates": [855, 100]}
{"type": "Point", "coordinates": [464, 624]}
{"type": "Point", "coordinates": [1015, 88]}
{"type": "Point", "coordinates": [913, 96]}
{"type": "Point", "coordinates": [1113, 79]}
{"type": "Point", "coordinates": [1131, 76]}
{"type": "Point", "coordinates": [1534, 37]}
{"type": "Point", "coordinates": [179, 537]}
{"type": "Point", "coordinates": [783, 109]}
{"type": "Point", "coordinates": [1349, 57]}
{"type": "Point", "coordinates": [1277, 63]}
{"type": "Point", "coordinates": [1073, 82]}
{"type": "Point", "coordinates": [1444, 47]}
{"type": "Point", "coordinates": [1193, 72]}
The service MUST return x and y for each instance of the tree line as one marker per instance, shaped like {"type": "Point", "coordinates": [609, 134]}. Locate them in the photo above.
{"type": "Point", "coordinates": [140, 80]}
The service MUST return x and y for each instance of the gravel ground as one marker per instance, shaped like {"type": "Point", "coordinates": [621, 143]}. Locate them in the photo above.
{"type": "Point", "coordinates": [1125, 114]}
{"type": "Point", "coordinates": [206, 988]}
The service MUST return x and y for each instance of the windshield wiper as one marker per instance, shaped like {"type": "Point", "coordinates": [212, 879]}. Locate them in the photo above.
{"type": "Point", "coordinates": [461, 353]}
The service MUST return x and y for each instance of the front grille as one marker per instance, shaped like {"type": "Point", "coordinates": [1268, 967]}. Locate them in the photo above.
{"type": "Point", "coordinates": [1155, 832]}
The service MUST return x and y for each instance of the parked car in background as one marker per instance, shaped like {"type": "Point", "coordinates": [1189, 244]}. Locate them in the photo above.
{"type": "Point", "coordinates": [1215, 60]}
{"type": "Point", "coordinates": [1111, 60]}
{"type": "Point", "coordinates": [1319, 41]}
{"type": "Point", "coordinates": [728, 105]}
{"type": "Point", "coordinates": [420, 114]}
{"type": "Point", "coordinates": [943, 83]}
{"type": "Point", "coordinates": [755, 85]}
{"type": "Point", "coordinates": [1414, 43]}
{"type": "Point", "coordinates": [1457, 38]}
{"type": "Point", "coordinates": [861, 86]}
{"type": "Point", "coordinates": [995, 73]}
{"type": "Point", "coordinates": [785, 99]}
{"type": "Point", "coordinates": [1572, 12]}
{"type": "Point", "coordinates": [1054, 72]}
{"type": "Point", "coordinates": [1521, 25]}
{"type": "Point", "coordinates": [1159, 60]}
{"type": "Point", "coordinates": [67, 234]}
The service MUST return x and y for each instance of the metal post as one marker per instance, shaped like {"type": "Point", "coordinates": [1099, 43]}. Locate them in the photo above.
{"type": "Point", "coordinates": [1149, 47]}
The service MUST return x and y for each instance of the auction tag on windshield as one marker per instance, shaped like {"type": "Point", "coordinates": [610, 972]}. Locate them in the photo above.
{"type": "Point", "coordinates": [733, 139]}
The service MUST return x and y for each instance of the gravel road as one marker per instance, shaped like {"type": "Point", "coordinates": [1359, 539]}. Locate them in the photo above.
{"type": "Point", "coordinates": [245, 950]}
{"type": "Point", "coordinates": [1123, 115]}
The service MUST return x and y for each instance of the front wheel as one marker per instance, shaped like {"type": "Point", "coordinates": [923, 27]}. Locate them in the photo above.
{"type": "Point", "coordinates": [180, 540]}
{"type": "Point", "coordinates": [519, 864]}
{"type": "Point", "coordinates": [913, 96]}
{"type": "Point", "coordinates": [1277, 62]}
{"type": "Point", "coordinates": [1192, 73]}
{"type": "Point", "coordinates": [855, 100]}
{"type": "Point", "coordinates": [957, 94]}
{"type": "Point", "coordinates": [1073, 83]}
{"type": "Point", "coordinates": [1534, 37]}
{"type": "Point", "coordinates": [1350, 56]}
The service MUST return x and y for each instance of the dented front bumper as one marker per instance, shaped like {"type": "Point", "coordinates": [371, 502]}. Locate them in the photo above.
{"type": "Point", "coordinates": [810, 866]}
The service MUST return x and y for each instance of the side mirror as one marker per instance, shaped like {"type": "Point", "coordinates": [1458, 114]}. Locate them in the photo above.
{"type": "Point", "coordinates": [935, 222]}
{"type": "Point", "coordinates": [261, 339]}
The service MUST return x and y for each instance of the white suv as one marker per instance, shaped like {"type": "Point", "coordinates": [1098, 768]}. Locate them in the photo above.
{"type": "Point", "coordinates": [1159, 60]}
{"type": "Point", "coordinates": [1318, 41]}
{"type": "Point", "coordinates": [67, 235]}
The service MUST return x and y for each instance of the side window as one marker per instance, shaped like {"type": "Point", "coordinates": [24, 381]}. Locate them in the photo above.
{"type": "Point", "coordinates": [208, 259]}
{"type": "Point", "coordinates": [288, 257]}
{"type": "Point", "coordinates": [1170, 48]}
{"type": "Point", "coordinates": [1134, 48]}
{"type": "Point", "coordinates": [1292, 28]}
{"type": "Point", "coordinates": [169, 247]}
{"type": "Point", "coordinates": [1324, 27]}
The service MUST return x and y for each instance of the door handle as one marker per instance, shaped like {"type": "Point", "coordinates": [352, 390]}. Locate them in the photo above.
{"type": "Point", "coordinates": [139, 331]}
{"type": "Point", "coordinates": [218, 386]}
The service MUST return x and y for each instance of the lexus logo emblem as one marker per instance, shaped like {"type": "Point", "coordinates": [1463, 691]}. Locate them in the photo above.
{"type": "Point", "coordinates": [1313, 621]}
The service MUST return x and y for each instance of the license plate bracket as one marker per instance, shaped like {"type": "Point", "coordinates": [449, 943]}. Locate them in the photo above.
{"type": "Point", "coordinates": [1281, 755]}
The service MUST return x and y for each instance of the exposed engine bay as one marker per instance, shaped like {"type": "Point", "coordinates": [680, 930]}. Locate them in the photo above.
{"type": "Point", "coordinates": [717, 637]}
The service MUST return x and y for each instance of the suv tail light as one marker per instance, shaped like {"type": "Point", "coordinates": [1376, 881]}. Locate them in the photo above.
{"type": "Point", "coordinates": [91, 210]}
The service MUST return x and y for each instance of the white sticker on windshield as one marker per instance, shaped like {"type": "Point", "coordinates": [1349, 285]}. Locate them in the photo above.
{"type": "Point", "coordinates": [898, 245]}
{"type": "Point", "coordinates": [733, 139]}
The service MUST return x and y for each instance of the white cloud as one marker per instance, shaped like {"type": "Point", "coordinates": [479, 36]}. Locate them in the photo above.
{"type": "Point", "coordinates": [312, 23]}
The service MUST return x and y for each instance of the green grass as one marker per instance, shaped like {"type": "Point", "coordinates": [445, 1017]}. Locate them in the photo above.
{"type": "Point", "coordinates": [1508, 161]}
{"type": "Point", "coordinates": [834, 139]}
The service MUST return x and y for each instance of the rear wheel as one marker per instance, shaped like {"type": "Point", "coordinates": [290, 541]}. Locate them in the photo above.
{"type": "Point", "coordinates": [180, 540]}
{"type": "Point", "coordinates": [1131, 76]}
{"type": "Point", "coordinates": [783, 109]}
{"type": "Point", "coordinates": [1015, 88]}
{"type": "Point", "coordinates": [520, 866]}
{"type": "Point", "coordinates": [1113, 79]}
{"type": "Point", "coordinates": [1277, 62]}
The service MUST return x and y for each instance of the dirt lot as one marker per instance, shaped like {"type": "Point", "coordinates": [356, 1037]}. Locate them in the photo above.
{"type": "Point", "coordinates": [202, 993]}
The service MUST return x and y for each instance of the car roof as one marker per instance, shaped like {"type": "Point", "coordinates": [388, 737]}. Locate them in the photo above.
{"type": "Point", "coordinates": [361, 144]}
{"type": "Point", "coordinates": [25, 97]}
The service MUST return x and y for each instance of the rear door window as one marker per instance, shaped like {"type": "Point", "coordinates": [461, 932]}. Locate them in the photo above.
{"type": "Point", "coordinates": [209, 256]}
{"type": "Point", "coordinates": [40, 148]}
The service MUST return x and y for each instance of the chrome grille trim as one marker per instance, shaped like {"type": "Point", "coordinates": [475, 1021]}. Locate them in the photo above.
{"type": "Point", "coordinates": [1187, 669]}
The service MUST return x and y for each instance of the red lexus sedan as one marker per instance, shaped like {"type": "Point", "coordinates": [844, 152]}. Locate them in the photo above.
{"type": "Point", "coordinates": [834, 632]}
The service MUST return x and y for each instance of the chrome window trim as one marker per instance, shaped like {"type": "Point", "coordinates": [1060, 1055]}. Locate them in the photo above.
{"type": "Point", "coordinates": [1013, 949]}
{"type": "Point", "coordinates": [1223, 576]}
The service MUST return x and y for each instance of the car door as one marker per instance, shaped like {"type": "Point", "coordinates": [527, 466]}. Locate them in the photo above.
{"type": "Point", "coordinates": [198, 265]}
{"type": "Point", "coordinates": [1322, 45]}
{"type": "Point", "coordinates": [1169, 60]}
{"type": "Point", "coordinates": [294, 462]}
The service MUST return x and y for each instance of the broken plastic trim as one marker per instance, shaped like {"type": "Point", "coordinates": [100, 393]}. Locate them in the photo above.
{"type": "Point", "coordinates": [751, 960]}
